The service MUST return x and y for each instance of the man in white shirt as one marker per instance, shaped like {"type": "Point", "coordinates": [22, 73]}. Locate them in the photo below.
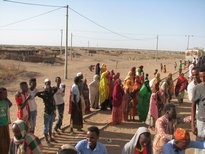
{"type": "Point", "coordinates": [59, 102]}
{"type": "Point", "coordinates": [32, 104]}
{"type": "Point", "coordinates": [194, 82]}
{"type": "Point", "coordinates": [198, 100]}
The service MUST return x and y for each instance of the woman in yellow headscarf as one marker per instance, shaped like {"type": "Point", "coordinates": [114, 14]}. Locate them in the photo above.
{"type": "Point", "coordinates": [126, 99]}
{"type": "Point", "coordinates": [103, 68]}
{"type": "Point", "coordinates": [104, 90]}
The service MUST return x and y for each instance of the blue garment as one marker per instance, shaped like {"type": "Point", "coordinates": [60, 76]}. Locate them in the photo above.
{"type": "Point", "coordinates": [33, 115]}
{"type": "Point", "coordinates": [83, 148]}
{"type": "Point", "coordinates": [48, 123]}
{"type": "Point", "coordinates": [170, 149]}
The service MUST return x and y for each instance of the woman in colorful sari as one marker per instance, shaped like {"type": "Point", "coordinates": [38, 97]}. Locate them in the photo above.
{"type": "Point", "coordinates": [143, 101]}
{"type": "Point", "coordinates": [153, 109]}
{"type": "Point", "coordinates": [24, 142]}
{"type": "Point", "coordinates": [111, 86]}
{"type": "Point", "coordinates": [117, 102]}
{"type": "Point", "coordinates": [94, 92]}
{"type": "Point", "coordinates": [140, 143]}
{"type": "Point", "coordinates": [126, 99]}
{"type": "Point", "coordinates": [134, 98]}
{"type": "Point", "coordinates": [140, 73]}
{"type": "Point", "coordinates": [104, 90]}
{"type": "Point", "coordinates": [181, 85]}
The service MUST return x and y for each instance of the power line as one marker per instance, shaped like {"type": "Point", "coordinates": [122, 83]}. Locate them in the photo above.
{"type": "Point", "coordinates": [23, 29]}
{"type": "Point", "coordinates": [86, 37]}
{"type": "Point", "coordinates": [102, 26]}
{"type": "Point", "coordinates": [45, 5]}
{"type": "Point", "coordinates": [29, 18]}
{"type": "Point", "coordinates": [34, 4]}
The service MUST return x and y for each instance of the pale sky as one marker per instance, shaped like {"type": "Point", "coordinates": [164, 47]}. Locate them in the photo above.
{"type": "Point", "coordinates": [134, 23]}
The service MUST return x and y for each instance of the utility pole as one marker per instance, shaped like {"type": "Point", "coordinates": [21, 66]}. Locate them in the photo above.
{"type": "Point", "coordinates": [88, 44]}
{"type": "Point", "coordinates": [71, 44]}
{"type": "Point", "coordinates": [188, 37]}
{"type": "Point", "coordinates": [157, 48]}
{"type": "Point", "coordinates": [66, 46]}
{"type": "Point", "coordinates": [61, 42]}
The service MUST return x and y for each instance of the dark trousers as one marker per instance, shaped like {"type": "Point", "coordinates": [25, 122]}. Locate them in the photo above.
{"type": "Point", "coordinates": [60, 109]}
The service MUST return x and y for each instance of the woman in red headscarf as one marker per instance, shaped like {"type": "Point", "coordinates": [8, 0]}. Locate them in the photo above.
{"type": "Point", "coordinates": [117, 102]}
{"type": "Point", "coordinates": [181, 85]}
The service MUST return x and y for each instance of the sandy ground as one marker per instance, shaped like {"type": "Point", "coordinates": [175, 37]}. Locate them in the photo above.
{"type": "Point", "coordinates": [123, 63]}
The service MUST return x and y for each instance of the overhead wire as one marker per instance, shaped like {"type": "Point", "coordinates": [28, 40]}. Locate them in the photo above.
{"type": "Point", "coordinates": [34, 4]}
{"type": "Point", "coordinates": [103, 26]}
{"type": "Point", "coordinates": [29, 18]}
{"type": "Point", "coordinates": [45, 5]}
{"type": "Point", "coordinates": [86, 37]}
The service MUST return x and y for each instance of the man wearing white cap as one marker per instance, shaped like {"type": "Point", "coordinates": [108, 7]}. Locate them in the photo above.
{"type": "Point", "coordinates": [49, 110]}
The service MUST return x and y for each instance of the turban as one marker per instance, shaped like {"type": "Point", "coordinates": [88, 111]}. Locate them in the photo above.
{"type": "Point", "coordinates": [181, 134]}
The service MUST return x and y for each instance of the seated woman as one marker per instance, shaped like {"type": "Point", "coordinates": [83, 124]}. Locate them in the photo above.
{"type": "Point", "coordinates": [140, 143]}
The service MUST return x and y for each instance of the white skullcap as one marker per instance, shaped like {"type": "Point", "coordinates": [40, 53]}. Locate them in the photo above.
{"type": "Point", "coordinates": [47, 80]}
{"type": "Point", "coordinates": [79, 74]}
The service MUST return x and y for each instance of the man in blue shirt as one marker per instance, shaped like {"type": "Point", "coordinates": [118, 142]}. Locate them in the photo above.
{"type": "Point", "coordinates": [181, 142]}
{"type": "Point", "coordinates": [90, 145]}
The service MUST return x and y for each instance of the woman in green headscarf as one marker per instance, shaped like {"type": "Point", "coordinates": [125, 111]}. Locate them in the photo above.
{"type": "Point", "coordinates": [143, 101]}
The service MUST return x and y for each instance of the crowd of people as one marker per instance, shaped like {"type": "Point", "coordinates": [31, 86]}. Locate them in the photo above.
{"type": "Point", "coordinates": [135, 96]}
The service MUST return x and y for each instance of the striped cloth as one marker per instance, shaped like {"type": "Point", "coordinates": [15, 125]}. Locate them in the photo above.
{"type": "Point", "coordinates": [28, 144]}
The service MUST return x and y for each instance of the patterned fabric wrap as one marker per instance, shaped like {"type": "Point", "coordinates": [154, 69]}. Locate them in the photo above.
{"type": "Point", "coordinates": [28, 143]}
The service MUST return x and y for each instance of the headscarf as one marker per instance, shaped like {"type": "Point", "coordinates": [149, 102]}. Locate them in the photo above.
{"type": "Point", "coordinates": [128, 85]}
{"type": "Point", "coordinates": [129, 77]}
{"type": "Point", "coordinates": [181, 84]}
{"type": "Point", "coordinates": [117, 76]}
{"type": "Point", "coordinates": [96, 78]}
{"type": "Point", "coordinates": [130, 146]}
{"type": "Point", "coordinates": [104, 88]}
{"type": "Point", "coordinates": [103, 68]}
{"type": "Point", "coordinates": [117, 93]}
{"type": "Point", "coordinates": [133, 69]}
{"type": "Point", "coordinates": [28, 142]}
{"type": "Point", "coordinates": [181, 134]}
{"type": "Point", "coordinates": [23, 129]}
